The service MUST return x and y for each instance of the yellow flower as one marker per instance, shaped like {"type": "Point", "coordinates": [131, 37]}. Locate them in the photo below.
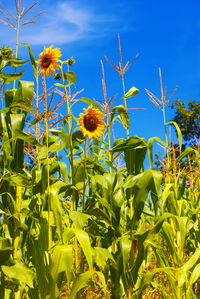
{"type": "Point", "coordinates": [91, 124]}
{"type": "Point", "coordinates": [48, 60]}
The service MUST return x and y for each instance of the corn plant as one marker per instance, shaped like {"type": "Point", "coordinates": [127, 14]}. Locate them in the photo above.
{"type": "Point", "coordinates": [73, 223]}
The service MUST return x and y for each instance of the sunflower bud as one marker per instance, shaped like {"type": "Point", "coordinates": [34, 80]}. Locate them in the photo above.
{"type": "Point", "coordinates": [57, 76]}
{"type": "Point", "coordinates": [71, 61]}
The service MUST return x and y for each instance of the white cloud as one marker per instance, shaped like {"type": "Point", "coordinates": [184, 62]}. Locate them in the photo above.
{"type": "Point", "coordinates": [68, 21]}
{"type": "Point", "coordinates": [65, 22]}
{"type": "Point", "coordinates": [76, 15]}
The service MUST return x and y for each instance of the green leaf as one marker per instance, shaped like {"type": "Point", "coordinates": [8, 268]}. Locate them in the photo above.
{"type": "Point", "coordinates": [143, 183]}
{"type": "Point", "coordinates": [61, 167]}
{"type": "Point", "coordinates": [168, 236]}
{"type": "Point", "coordinates": [61, 261]}
{"type": "Point", "coordinates": [4, 110]}
{"type": "Point", "coordinates": [8, 78]}
{"type": "Point", "coordinates": [38, 248]}
{"type": "Point", "coordinates": [70, 77]}
{"type": "Point", "coordinates": [132, 92]}
{"type": "Point", "coordinates": [15, 62]}
{"type": "Point", "coordinates": [26, 137]}
{"type": "Point", "coordinates": [150, 148]}
{"type": "Point", "coordinates": [9, 96]}
{"type": "Point", "coordinates": [142, 238]}
{"type": "Point", "coordinates": [24, 93]}
{"type": "Point", "coordinates": [134, 159]}
{"type": "Point", "coordinates": [56, 206]}
{"type": "Point", "coordinates": [77, 138]}
{"type": "Point", "coordinates": [62, 85]}
{"type": "Point", "coordinates": [84, 241]}
{"type": "Point", "coordinates": [89, 102]}
{"type": "Point", "coordinates": [20, 272]}
{"type": "Point", "coordinates": [178, 131]}
{"type": "Point", "coordinates": [17, 123]}
{"type": "Point", "coordinates": [83, 281]}
{"type": "Point", "coordinates": [125, 246]}
{"type": "Point", "coordinates": [122, 114]}
{"type": "Point", "coordinates": [21, 180]}
{"type": "Point", "coordinates": [185, 153]}
{"type": "Point", "coordinates": [192, 261]}
{"type": "Point", "coordinates": [129, 144]}
{"type": "Point", "coordinates": [193, 278]}
{"type": "Point", "coordinates": [148, 278]}
{"type": "Point", "coordinates": [33, 63]}
{"type": "Point", "coordinates": [79, 219]}
{"type": "Point", "coordinates": [101, 256]}
{"type": "Point", "coordinates": [5, 248]}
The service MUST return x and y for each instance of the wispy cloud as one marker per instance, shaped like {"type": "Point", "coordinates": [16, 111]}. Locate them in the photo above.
{"type": "Point", "coordinates": [66, 22]}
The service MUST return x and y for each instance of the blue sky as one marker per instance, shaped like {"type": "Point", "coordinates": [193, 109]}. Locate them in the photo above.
{"type": "Point", "coordinates": [165, 33]}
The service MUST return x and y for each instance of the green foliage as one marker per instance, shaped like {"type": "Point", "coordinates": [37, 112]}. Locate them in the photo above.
{"type": "Point", "coordinates": [132, 92]}
{"type": "Point", "coordinates": [188, 119]}
{"type": "Point", "coordinates": [83, 226]}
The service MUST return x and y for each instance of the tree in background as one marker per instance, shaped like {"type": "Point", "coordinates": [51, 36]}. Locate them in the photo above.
{"type": "Point", "coordinates": [187, 116]}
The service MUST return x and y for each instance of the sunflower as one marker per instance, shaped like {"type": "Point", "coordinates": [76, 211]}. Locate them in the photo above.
{"type": "Point", "coordinates": [91, 124]}
{"type": "Point", "coordinates": [48, 60]}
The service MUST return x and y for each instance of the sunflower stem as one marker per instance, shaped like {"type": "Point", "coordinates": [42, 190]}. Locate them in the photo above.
{"type": "Point", "coordinates": [37, 132]}
{"type": "Point", "coordinates": [47, 157]}
{"type": "Point", "coordinates": [37, 105]}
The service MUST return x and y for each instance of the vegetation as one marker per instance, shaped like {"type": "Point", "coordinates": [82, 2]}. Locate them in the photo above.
{"type": "Point", "coordinates": [188, 119]}
{"type": "Point", "coordinates": [94, 223]}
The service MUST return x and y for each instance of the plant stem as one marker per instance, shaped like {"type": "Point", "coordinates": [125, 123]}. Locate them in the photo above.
{"type": "Point", "coordinates": [84, 181]}
{"type": "Point", "coordinates": [37, 105]}
{"type": "Point", "coordinates": [167, 143]}
{"type": "Point", "coordinates": [2, 286]}
{"type": "Point", "coordinates": [18, 199]}
{"type": "Point", "coordinates": [47, 157]}
{"type": "Point", "coordinates": [125, 103]}
{"type": "Point", "coordinates": [69, 122]}
{"type": "Point", "coordinates": [17, 44]}
{"type": "Point", "coordinates": [18, 204]}
{"type": "Point", "coordinates": [128, 294]}
{"type": "Point", "coordinates": [15, 246]}
{"type": "Point", "coordinates": [165, 132]}
{"type": "Point", "coordinates": [108, 123]}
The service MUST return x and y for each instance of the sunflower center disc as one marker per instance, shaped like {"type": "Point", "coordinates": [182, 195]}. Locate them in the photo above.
{"type": "Point", "coordinates": [46, 61]}
{"type": "Point", "coordinates": [90, 122]}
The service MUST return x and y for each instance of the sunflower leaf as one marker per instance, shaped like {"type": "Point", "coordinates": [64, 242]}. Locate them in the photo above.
{"type": "Point", "coordinates": [132, 92]}
{"type": "Point", "coordinates": [70, 77]}
{"type": "Point", "coordinates": [32, 58]}
{"type": "Point", "coordinates": [8, 78]}
{"type": "Point", "coordinates": [90, 102]}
